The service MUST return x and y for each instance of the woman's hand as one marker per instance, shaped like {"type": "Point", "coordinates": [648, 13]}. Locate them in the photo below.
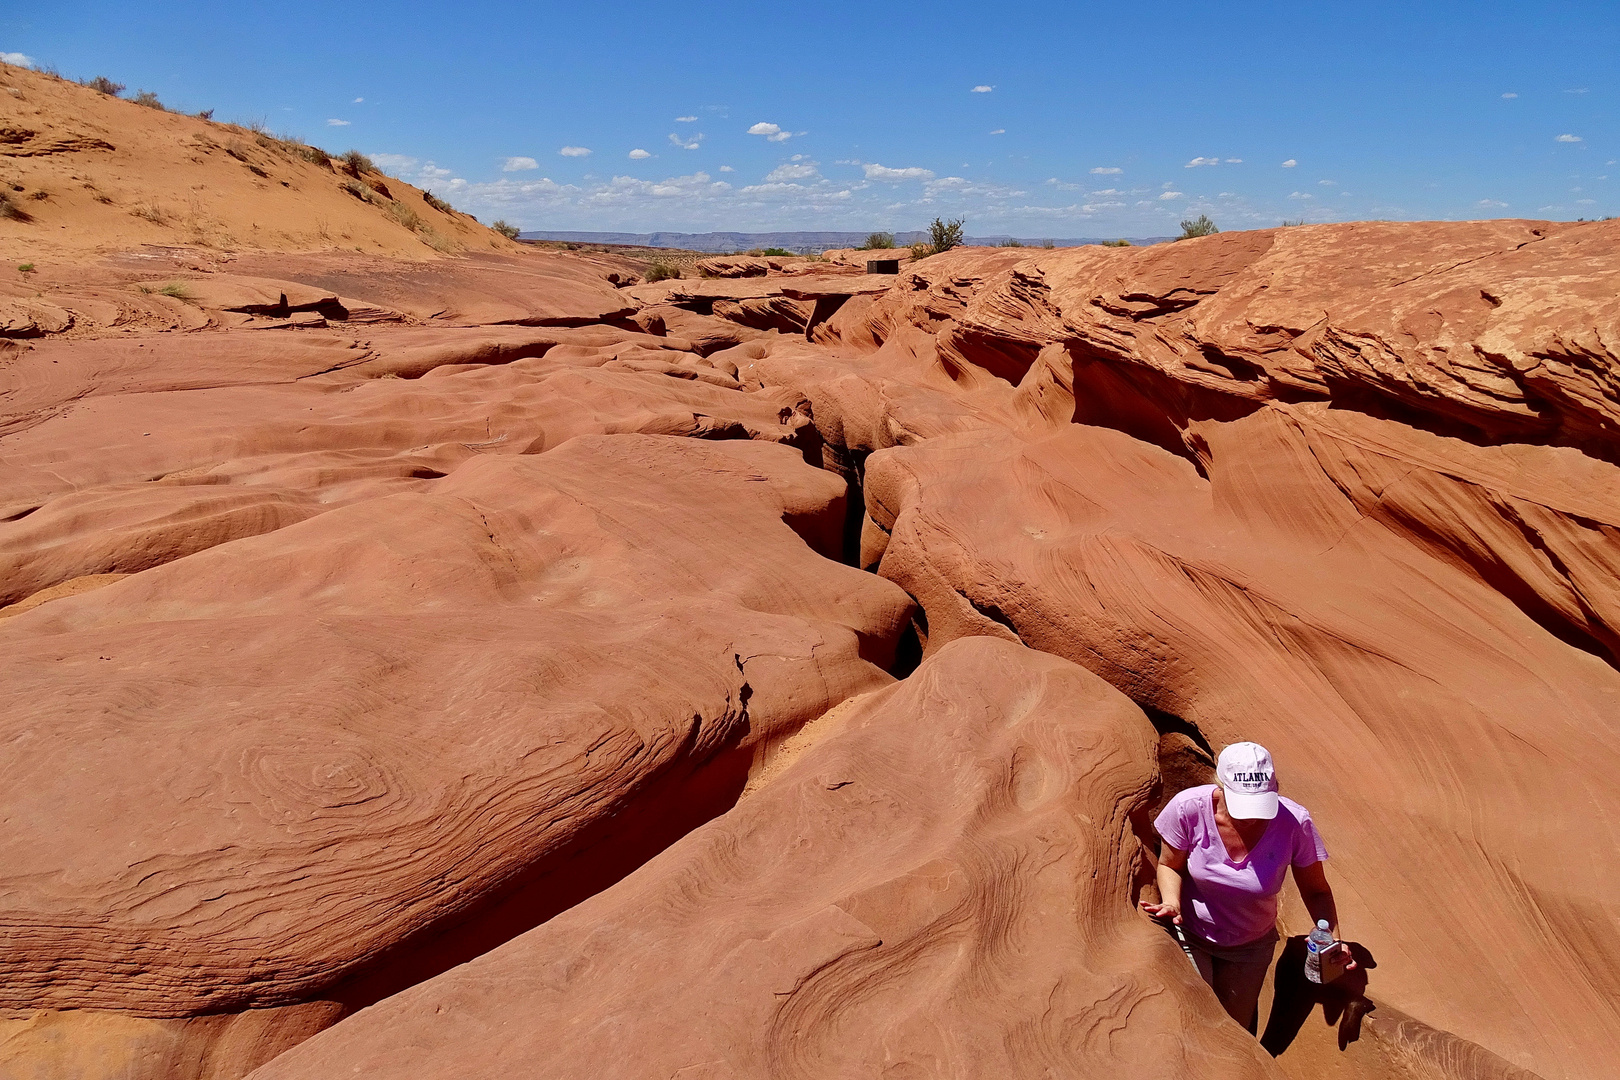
{"type": "Point", "coordinates": [1163, 911]}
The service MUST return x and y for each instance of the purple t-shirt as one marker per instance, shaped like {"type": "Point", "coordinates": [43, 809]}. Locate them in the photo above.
{"type": "Point", "coordinates": [1233, 903]}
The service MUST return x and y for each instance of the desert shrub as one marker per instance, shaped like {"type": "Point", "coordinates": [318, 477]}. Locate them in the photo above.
{"type": "Point", "coordinates": [150, 213]}
{"type": "Point", "coordinates": [175, 289]}
{"type": "Point", "coordinates": [921, 250]}
{"type": "Point", "coordinates": [11, 211]}
{"type": "Point", "coordinates": [314, 155]}
{"type": "Point", "coordinates": [258, 126]}
{"type": "Point", "coordinates": [1286, 223]}
{"type": "Point", "coordinates": [1121, 242]}
{"type": "Point", "coordinates": [944, 235]}
{"type": "Point", "coordinates": [1198, 226]}
{"type": "Point", "coordinates": [1012, 242]}
{"type": "Point", "coordinates": [878, 241]}
{"type": "Point", "coordinates": [1048, 244]}
{"type": "Point", "coordinates": [25, 268]}
{"type": "Point", "coordinates": [206, 114]}
{"type": "Point", "coordinates": [357, 161]}
{"type": "Point", "coordinates": [104, 85]}
{"type": "Point", "coordinates": [40, 194]}
{"type": "Point", "coordinates": [437, 203]}
{"type": "Point", "coordinates": [662, 271]}
{"type": "Point", "coordinates": [405, 215]}
{"type": "Point", "coordinates": [501, 226]}
{"type": "Point", "coordinates": [149, 99]}
{"type": "Point", "coordinates": [780, 253]}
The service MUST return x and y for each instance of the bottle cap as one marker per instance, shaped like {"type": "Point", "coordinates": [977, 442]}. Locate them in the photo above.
{"type": "Point", "coordinates": [1321, 924]}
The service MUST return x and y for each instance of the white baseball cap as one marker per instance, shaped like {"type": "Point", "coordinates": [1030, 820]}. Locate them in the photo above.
{"type": "Point", "coordinates": [1249, 780]}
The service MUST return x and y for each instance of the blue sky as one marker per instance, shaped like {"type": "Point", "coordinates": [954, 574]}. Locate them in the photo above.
{"type": "Point", "coordinates": [1037, 119]}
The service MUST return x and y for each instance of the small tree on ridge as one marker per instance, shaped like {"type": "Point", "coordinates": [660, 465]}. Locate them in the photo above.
{"type": "Point", "coordinates": [1198, 226]}
{"type": "Point", "coordinates": [944, 235]}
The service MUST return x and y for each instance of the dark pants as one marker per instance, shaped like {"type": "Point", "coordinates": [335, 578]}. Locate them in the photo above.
{"type": "Point", "coordinates": [1236, 973]}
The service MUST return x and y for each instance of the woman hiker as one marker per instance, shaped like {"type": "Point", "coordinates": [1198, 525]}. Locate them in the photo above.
{"type": "Point", "coordinates": [1234, 842]}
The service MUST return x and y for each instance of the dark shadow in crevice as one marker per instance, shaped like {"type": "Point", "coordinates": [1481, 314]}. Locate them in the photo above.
{"type": "Point", "coordinates": [1185, 760]}
{"type": "Point", "coordinates": [908, 653]}
{"type": "Point", "coordinates": [851, 465]}
{"type": "Point", "coordinates": [993, 613]}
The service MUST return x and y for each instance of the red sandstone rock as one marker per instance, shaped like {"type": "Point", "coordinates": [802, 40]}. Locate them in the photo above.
{"type": "Point", "coordinates": [360, 730]}
{"type": "Point", "coordinates": [1345, 489]}
{"type": "Point", "coordinates": [935, 881]}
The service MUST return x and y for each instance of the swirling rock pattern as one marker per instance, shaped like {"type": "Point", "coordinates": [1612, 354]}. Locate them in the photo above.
{"type": "Point", "coordinates": [240, 777]}
{"type": "Point", "coordinates": [932, 887]}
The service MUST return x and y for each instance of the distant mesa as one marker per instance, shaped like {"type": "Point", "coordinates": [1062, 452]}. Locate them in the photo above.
{"type": "Point", "coordinates": [802, 242]}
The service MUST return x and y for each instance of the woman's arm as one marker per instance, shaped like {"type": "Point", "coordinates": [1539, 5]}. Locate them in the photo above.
{"type": "Point", "coordinates": [1318, 896]}
{"type": "Point", "coordinates": [1171, 862]}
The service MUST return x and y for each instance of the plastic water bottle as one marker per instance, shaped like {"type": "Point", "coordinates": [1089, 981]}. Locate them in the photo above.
{"type": "Point", "coordinates": [1319, 942]}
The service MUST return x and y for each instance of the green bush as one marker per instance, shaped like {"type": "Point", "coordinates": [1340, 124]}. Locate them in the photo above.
{"type": "Point", "coordinates": [1198, 226]}
{"type": "Point", "coordinates": [1122, 242]}
{"type": "Point", "coordinates": [878, 241]}
{"type": "Point", "coordinates": [921, 250]}
{"type": "Point", "coordinates": [944, 235]}
{"type": "Point", "coordinates": [780, 253]}
{"type": "Point", "coordinates": [1012, 242]}
{"type": "Point", "coordinates": [25, 268]}
{"type": "Point", "coordinates": [150, 100]}
{"type": "Point", "coordinates": [661, 271]}
{"type": "Point", "coordinates": [506, 230]}
{"type": "Point", "coordinates": [105, 85]}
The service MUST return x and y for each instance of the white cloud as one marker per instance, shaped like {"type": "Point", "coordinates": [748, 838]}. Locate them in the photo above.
{"type": "Point", "coordinates": [1167, 185]}
{"type": "Point", "coordinates": [982, 89]}
{"type": "Point", "coordinates": [1234, 161]}
{"type": "Point", "coordinates": [574, 151]}
{"type": "Point", "coordinates": [358, 100]}
{"type": "Point", "coordinates": [1328, 183]}
{"type": "Point", "coordinates": [727, 168]}
{"type": "Point", "coordinates": [1106, 170]}
{"type": "Point", "coordinates": [519, 164]}
{"type": "Point", "coordinates": [999, 131]}
{"type": "Point", "coordinates": [686, 142]}
{"type": "Point", "coordinates": [1197, 161]}
{"type": "Point", "coordinates": [1301, 195]}
{"type": "Point", "coordinates": [1171, 195]}
{"type": "Point", "coordinates": [1582, 90]}
{"type": "Point", "coordinates": [394, 163]}
{"type": "Point", "coordinates": [639, 154]}
{"type": "Point", "coordinates": [686, 119]}
{"type": "Point", "coordinates": [772, 132]}
{"type": "Point", "coordinates": [337, 123]}
{"type": "Point", "coordinates": [882, 172]}
{"type": "Point", "coordinates": [16, 59]}
{"type": "Point", "coordinates": [792, 172]}
{"type": "Point", "coordinates": [1509, 97]}
{"type": "Point", "coordinates": [431, 172]}
{"type": "Point", "coordinates": [1569, 138]}
{"type": "Point", "coordinates": [1289, 164]}
{"type": "Point", "coordinates": [1492, 204]}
